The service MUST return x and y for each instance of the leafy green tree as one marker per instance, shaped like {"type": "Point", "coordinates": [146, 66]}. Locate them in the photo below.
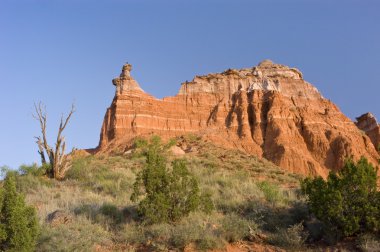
{"type": "Point", "coordinates": [170, 193]}
{"type": "Point", "coordinates": [19, 225]}
{"type": "Point", "coordinates": [348, 202]}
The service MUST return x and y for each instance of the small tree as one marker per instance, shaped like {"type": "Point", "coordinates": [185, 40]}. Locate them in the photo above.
{"type": "Point", "coordinates": [58, 160]}
{"type": "Point", "coordinates": [348, 202]}
{"type": "Point", "coordinates": [19, 225]}
{"type": "Point", "coordinates": [170, 194]}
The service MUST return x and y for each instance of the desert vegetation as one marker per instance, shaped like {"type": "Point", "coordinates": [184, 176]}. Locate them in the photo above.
{"type": "Point", "coordinates": [208, 198]}
{"type": "Point", "coordinates": [18, 222]}
{"type": "Point", "coordinates": [348, 202]}
{"type": "Point", "coordinates": [169, 194]}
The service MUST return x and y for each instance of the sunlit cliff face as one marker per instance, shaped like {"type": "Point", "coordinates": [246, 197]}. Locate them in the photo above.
{"type": "Point", "coordinates": [268, 110]}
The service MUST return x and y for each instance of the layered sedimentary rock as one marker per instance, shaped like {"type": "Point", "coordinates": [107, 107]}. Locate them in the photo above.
{"type": "Point", "coordinates": [368, 123]}
{"type": "Point", "coordinates": [268, 110]}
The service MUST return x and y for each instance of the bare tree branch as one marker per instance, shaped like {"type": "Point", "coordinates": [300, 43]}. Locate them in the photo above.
{"type": "Point", "coordinates": [41, 150]}
{"type": "Point", "coordinates": [62, 125]}
{"type": "Point", "coordinates": [58, 159]}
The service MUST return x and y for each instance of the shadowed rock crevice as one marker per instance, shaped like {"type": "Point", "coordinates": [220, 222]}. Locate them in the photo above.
{"type": "Point", "coordinates": [230, 116]}
{"type": "Point", "coordinates": [213, 117]}
{"type": "Point", "coordinates": [251, 115]}
{"type": "Point", "coordinates": [265, 107]}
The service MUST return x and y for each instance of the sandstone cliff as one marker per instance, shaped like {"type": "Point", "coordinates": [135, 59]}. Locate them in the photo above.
{"type": "Point", "coordinates": [268, 110]}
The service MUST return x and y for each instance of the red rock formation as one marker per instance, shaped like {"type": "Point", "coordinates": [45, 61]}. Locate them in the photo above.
{"type": "Point", "coordinates": [267, 110]}
{"type": "Point", "coordinates": [368, 123]}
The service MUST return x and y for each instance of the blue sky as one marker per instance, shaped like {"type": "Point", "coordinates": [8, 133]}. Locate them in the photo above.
{"type": "Point", "coordinates": [63, 51]}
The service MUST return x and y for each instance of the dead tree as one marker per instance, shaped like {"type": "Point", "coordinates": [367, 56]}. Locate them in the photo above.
{"type": "Point", "coordinates": [58, 160]}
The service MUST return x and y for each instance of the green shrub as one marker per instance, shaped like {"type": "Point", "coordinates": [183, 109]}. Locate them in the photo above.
{"type": "Point", "coordinates": [271, 192]}
{"type": "Point", "coordinates": [192, 138]}
{"type": "Point", "coordinates": [348, 202]}
{"type": "Point", "coordinates": [19, 225]}
{"type": "Point", "coordinates": [34, 169]}
{"type": "Point", "coordinates": [170, 194]}
{"type": "Point", "coordinates": [79, 169]}
{"type": "Point", "coordinates": [112, 212]}
{"type": "Point", "coordinates": [143, 146]}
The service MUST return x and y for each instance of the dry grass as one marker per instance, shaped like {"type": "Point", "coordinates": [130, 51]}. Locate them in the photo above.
{"type": "Point", "coordinates": [97, 194]}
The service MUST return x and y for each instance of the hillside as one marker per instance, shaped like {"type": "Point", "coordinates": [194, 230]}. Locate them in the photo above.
{"type": "Point", "coordinates": [95, 197]}
{"type": "Point", "coordinates": [257, 205]}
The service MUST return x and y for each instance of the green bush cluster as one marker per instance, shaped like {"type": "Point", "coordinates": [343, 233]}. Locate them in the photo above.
{"type": "Point", "coordinates": [170, 194]}
{"type": "Point", "coordinates": [271, 192]}
{"type": "Point", "coordinates": [348, 202]}
{"type": "Point", "coordinates": [18, 222]}
{"type": "Point", "coordinates": [34, 169]}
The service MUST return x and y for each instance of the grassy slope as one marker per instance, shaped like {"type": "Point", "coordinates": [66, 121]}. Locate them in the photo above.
{"type": "Point", "coordinates": [254, 200]}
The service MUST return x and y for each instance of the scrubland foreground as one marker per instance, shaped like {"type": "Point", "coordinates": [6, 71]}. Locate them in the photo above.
{"type": "Point", "coordinates": [256, 206]}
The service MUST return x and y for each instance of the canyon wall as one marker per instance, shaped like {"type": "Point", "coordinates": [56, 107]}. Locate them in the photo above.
{"type": "Point", "coordinates": [268, 110]}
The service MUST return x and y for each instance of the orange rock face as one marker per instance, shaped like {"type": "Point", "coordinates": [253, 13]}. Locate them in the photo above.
{"type": "Point", "coordinates": [267, 110]}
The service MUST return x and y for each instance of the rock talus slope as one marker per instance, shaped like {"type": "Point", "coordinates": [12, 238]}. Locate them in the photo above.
{"type": "Point", "coordinates": [268, 110]}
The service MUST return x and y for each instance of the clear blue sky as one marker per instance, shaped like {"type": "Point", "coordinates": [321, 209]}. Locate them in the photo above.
{"type": "Point", "coordinates": [64, 51]}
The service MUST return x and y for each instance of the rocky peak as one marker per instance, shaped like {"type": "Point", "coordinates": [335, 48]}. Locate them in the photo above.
{"type": "Point", "coordinates": [267, 76]}
{"type": "Point", "coordinates": [268, 69]}
{"type": "Point", "coordinates": [266, 63]}
{"type": "Point", "coordinates": [125, 82]}
{"type": "Point", "coordinates": [368, 123]}
{"type": "Point", "coordinates": [126, 71]}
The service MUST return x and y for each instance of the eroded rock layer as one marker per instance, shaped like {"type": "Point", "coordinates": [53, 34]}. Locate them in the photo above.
{"type": "Point", "coordinates": [268, 110]}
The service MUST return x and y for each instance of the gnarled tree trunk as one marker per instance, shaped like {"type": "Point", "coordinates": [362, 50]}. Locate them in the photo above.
{"type": "Point", "coordinates": [58, 160]}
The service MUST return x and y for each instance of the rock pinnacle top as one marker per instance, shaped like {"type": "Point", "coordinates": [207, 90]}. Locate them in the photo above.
{"type": "Point", "coordinates": [125, 82]}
